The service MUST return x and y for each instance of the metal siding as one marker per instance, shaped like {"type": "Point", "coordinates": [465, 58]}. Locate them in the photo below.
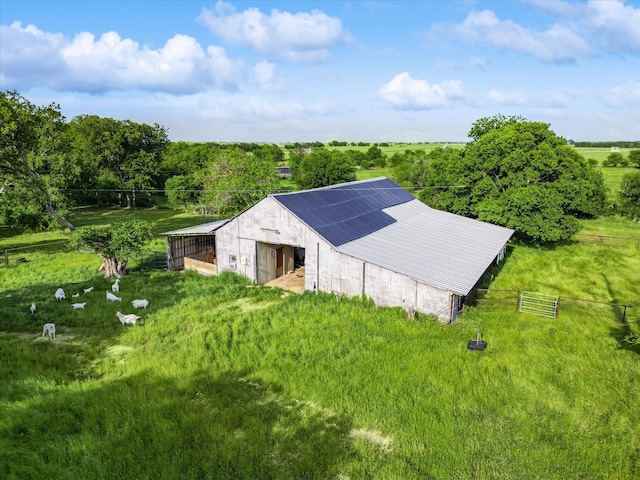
{"type": "Point", "coordinates": [434, 247]}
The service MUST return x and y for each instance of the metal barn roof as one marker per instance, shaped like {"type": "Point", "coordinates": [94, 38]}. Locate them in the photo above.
{"type": "Point", "coordinates": [202, 229]}
{"type": "Point", "coordinates": [434, 247]}
{"type": "Point", "coordinates": [342, 213]}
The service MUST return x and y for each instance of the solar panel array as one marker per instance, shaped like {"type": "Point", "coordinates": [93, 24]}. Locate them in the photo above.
{"type": "Point", "coordinates": [346, 212]}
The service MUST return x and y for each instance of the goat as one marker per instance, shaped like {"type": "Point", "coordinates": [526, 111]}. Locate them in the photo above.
{"type": "Point", "coordinates": [116, 286]}
{"type": "Point", "coordinates": [140, 303]}
{"type": "Point", "coordinates": [33, 308]}
{"type": "Point", "coordinates": [79, 306]}
{"type": "Point", "coordinates": [49, 329]}
{"type": "Point", "coordinates": [60, 294]}
{"type": "Point", "coordinates": [88, 290]}
{"type": "Point", "coordinates": [112, 298]}
{"type": "Point", "coordinates": [130, 319]}
{"type": "Point", "coordinates": [75, 295]}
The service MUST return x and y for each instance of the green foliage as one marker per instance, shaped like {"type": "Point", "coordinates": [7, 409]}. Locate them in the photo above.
{"type": "Point", "coordinates": [629, 196]}
{"type": "Point", "coordinates": [115, 244]}
{"type": "Point", "coordinates": [305, 386]}
{"type": "Point", "coordinates": [180, 189]}
{"type": "Point", "coordinates": [520, 175]}
{"type": "Point", "coordinates": [235, 180]}
{"type": "Point", "coordinates": [376, 158]}
{"type": "Point", "coordinates": [486, 125]}
{"type": "Point", "coordinates": [33, 170]}
{"type": "Point", "coordinates": [321, 168]}
{"type": "Point", "coordinates": [123, 153]}
{"type": "Point", "coordinates": [615, 159]}
{"type": "Point", "coordinates": [409, 168]}
{"type": "Point", "coordinates": [634, 158]}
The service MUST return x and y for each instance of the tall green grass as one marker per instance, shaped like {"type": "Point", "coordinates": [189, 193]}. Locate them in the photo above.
{"type": "Point", "coordinates": [224, 379]}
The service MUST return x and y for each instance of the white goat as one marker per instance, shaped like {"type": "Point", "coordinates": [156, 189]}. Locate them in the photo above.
{"type": "Point", "coordinates": [140, 303]}
{"type": "Point", "coordinates": [116, 286]}
{"type": "Point", "coordinates": [49, 329]}
{"type": "Point", "coordinates": [130, 319]}
{"type": "Point", "coordinates": [79, 306]}
{"type": "Point", "coordinates": [60, 294]}
{"type": "Point", "coordinates": [112, 298]}
{"type": "Point", "coordinates": [88, 290]}
{"type": "Point", "coordinates": [33, 308]}
{"type": "Point", "coordinates": [75, 295]}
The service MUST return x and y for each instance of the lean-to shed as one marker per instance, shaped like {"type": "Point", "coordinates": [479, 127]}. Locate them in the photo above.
{"type": "Point", "coordinates": [369, 238]}
{"type": "Point", "coordinates": [193, 248]}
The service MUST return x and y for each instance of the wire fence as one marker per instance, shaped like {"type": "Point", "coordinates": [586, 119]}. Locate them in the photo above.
{"type": "Point", "coordinates": [493, 300]}
{"type": "Point", "coordinates": [607, 240]}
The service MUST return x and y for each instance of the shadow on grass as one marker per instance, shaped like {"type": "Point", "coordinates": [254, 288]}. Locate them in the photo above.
{"type": "Point", "coordinates": [212, 425]}
{"type": "Point", "coordinates": [622, 314]}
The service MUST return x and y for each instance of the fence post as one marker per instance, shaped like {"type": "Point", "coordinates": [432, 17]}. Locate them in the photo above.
{"type": "Point", "coordinates": [624, 315]}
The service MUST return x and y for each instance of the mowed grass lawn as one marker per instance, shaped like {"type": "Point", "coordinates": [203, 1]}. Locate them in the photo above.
{"type": "Point", "coordinates": [222, 379]}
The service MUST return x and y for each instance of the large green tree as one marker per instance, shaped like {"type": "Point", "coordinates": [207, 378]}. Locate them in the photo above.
{"type": "Point", "coordinates": [320, 168]}
{"type": "Point", "coordinates": [33, 170]}
{"type": "Point", "coordinates": [629, 195]}
{"type": "Point", "coordinates": [634, 158]}
{"type": "Point", "coordinates": [234, 180]}
{"type": "Point", "coordinates": [120, 156]}
{"type": "Point", "coordinates": [518, 174]}
{"type": "Point", "coordinates": [115, 244]}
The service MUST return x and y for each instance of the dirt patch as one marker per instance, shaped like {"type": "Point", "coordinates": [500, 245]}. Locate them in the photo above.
{"type": "Point", "coordinates": [374, 437]}
{"type": "Point", "coordinates": [293, 282]}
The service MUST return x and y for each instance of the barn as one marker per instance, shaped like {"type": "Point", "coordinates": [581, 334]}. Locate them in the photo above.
{"type": "Point", "coordinates": [370, 238]}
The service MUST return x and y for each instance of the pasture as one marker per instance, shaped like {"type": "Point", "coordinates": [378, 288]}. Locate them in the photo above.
{"type": "Point", "coordinates": [224, 379]}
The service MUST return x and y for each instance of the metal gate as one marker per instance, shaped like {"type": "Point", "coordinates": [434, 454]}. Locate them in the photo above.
{"type": "Point", "coordinates": [539, 304]}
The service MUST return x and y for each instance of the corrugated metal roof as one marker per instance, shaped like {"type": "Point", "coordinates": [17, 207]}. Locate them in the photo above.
{"type": "Point", "coordinates": [203, 229]}
{"type": "Point", "coordinates": [435, 247]}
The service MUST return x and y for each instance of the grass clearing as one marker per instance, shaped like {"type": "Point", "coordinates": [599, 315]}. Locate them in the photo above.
{"type": "Point", "coordinates": [223, 381]}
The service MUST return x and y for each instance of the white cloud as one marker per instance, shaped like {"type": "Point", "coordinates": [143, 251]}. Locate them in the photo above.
{"type": "Point", "coordinates": [506, 98]}
{"type": "Point", "coordinates": [289, 36]}
{"type": "Point", "coordinates": [581, 30]}
{"type": "Point", "coordinates": [556, 44]}
{"type": "Point", "coordinates": [264, 75]}
{"type": "Point", "coordinates": [254, 110]}
{"type": "Point", "coordinates": [614, 26]}
{"type": "Point", "coordinates": [624, 95]}
{"type": "Point", "coordinates": [110, 62]}
{"type": "Point", "coordinates": [407, 93]}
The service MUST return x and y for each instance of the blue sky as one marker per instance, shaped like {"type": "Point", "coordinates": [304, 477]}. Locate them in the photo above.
{"type": "Point", "coordinates": [284, 71]}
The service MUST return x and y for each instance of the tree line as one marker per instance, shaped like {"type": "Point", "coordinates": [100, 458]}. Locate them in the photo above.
{"type": "Point", "coordinates": [514, 172]}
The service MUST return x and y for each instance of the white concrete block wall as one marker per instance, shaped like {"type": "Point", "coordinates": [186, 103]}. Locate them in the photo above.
{"type": "Point", "coordinates": [325, 268]}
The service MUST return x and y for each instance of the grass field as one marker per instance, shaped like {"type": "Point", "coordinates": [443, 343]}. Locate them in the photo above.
{"type": "Point", "coordinates": [225, 380]}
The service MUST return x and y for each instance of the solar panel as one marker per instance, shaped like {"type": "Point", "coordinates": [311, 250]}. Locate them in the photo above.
{"type": "Point", "coordinates": [348, 211]}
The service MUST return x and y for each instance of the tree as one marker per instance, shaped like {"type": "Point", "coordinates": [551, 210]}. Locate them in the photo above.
{"type": "Point", "coordinates": [115, 244]}
{"type": "Point", "coordinates": [121, 155]}
{"type": "Point", "coordinates": [634, 158]}
{"type": "Point", "coordinates": [613, 160]}
{"type": "Point", "coordinates": [180, 189]}
{"type": "Point", "coordinates": [235, 180]}
{"type": "Point", "coordinates": [376, 157]}
{"type": "Point", "coordinates": [321, 168]}
{"type": "Point", "coordinates": [32, 163]}
{"type": "Point", "coordinates": [629, 195]}
{"type": "Point", "coordinates": [409, 169]}
{"type": "Point", "coordinates": [520, 175]}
